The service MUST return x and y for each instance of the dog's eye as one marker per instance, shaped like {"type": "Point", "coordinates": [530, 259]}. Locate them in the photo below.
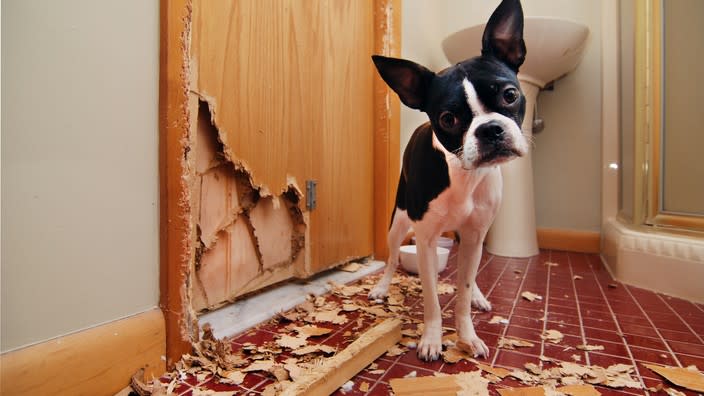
{"type": "Point", "coordinates": [448, 120]}
{"type": "Point", "coordinates": [511, 95]}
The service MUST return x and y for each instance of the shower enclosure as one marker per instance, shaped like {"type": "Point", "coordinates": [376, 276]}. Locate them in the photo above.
{"type": "Point", "coordinates": [654, 239]}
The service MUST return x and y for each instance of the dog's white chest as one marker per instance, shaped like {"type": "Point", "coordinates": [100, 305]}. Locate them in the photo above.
{"type": "Point", "coordinates": [473, 196]}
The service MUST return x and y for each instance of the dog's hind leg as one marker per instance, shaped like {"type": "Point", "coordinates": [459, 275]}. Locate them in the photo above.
{"type": "Point", "coordinates": [399, 228]}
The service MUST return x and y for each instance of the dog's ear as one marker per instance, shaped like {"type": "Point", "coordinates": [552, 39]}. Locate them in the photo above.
{"type": "Point", "coordinates": [408, 79]}
{"type": "Point", "coordinates": [503, 35]}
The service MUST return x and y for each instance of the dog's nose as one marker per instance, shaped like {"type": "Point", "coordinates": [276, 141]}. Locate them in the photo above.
{"type": "Point", "coordinates": [491, 132]}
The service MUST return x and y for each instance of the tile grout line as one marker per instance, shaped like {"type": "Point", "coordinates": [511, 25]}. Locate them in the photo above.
{"type": "Point", "coordinates": [545, 309]}
{"type": "Point", "coordinates": [657, 331]}
{"type": "Point", "coordinates": [681, 318]}
{"type": "Point", "coordinates": [378, 380]}
{"type": "Point", "coordinates": [618, 326]}
{"type": "Point", "coordinates": [698, 306]}
{"type": "Point", "coordinates": [579, 310]}
{"type": "Point", "coordinates": [513, 307]}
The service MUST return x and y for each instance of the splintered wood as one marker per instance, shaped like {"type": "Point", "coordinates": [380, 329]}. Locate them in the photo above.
{"type": "Point", "coordinates": [335, 371]}
{"type": "Point", "coordinates": [513, 343]}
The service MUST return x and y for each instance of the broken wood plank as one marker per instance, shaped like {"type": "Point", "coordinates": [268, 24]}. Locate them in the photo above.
{"type": "Point", "coordinates": [462, 384]}
{"type": "Point", "coordinates": [572, 390]}
{"type": "Point", "coordinates": [426, 386]}
{"type": "Point", "coordinates": [524, 391]}
{"type": "Point", "coordinates": [338, 369]}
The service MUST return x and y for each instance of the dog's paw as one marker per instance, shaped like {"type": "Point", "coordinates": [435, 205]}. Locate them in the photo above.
{"type": "Point", "coordinates": [480, 302]}
{"type": "Point", "coordinates": [430, 345]}
{"type": "Point", "coordinates": [379, 292]}
{"type": "Point", "coordinates": [476, 345]}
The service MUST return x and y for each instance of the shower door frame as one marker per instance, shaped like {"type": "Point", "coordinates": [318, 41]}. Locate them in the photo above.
{"type": "Point", "coordinates": [648, 169]}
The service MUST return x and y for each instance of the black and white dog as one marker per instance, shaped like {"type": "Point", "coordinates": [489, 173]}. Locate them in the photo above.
{"type": "Point", "coordinates": [450, 178]}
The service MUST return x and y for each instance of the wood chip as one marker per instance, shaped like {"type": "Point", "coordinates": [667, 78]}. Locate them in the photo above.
{"type": "Point", "coordinates": [533, 368]}
{"type": "Point", "coordinates": [352, 267]}
{"type": "Point", "coordinates": [311, 331]}
{"type": "Point", "coordinates": [364, 386]}
{"type": "Point", "coordinates": [445, 288]}
{"type": "Point", "coordinates": [551, 264]}
{"type": "Point", "coordinates": [235, 377]}
{"type": "Point", "coordinates": [287, 341]}
{"type": "Point", "coordinates": [449, 340]}
{"type": "Point", "coordinates": [587, 347]}
{"type": "Point", "coordinates": [690, 377]}
{"type": "Point", "coordinates": [674, 392]}
{"type": "Point", "coordinates": [553, 336]}
{"type": "Point", "coordinates": [577, 277]}
{"type": "Point", "coordinates": [497, 371]}
{"type": "Point", "coordinates": [326, 349]}
{"type": "Point", "coordinates": [513, 343]}
{"type": "Point", "coordinates": [544, 358]}
{"type": "Point", "coordinates": [454, 354]}
{"type": "Point", "coordinates": [498, 319]}
{"type": "Point", "coordinates": [330, 316]}
{"type": "Point", "coordinates": [530, 296]}
{"type": "Point", "coordinates": [395, 350]}
{"type": "Point", "coordinates": [260, 365]}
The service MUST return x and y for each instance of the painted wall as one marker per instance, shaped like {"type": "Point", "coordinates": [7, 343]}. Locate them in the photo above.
{"type": "Point", "coordinates": [80, 231]}
{"type": "Point", "coordinates": [567, 154]}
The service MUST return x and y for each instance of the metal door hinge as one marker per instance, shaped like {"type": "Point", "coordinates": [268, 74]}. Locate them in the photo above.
{"type": "Point", "coordinates": [310, 194]}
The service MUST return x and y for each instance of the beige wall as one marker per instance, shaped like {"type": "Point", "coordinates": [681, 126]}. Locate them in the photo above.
{"type": "Point", "coordinates": [79, 165]}
{"type": "Point", "coordinates": [567, 156]}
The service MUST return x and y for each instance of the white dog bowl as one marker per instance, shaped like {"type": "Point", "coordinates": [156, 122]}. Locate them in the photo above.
{"type": "Point", "coordinates": [409, 258]}
{"type": "Point", "coordinates": [442, 242]}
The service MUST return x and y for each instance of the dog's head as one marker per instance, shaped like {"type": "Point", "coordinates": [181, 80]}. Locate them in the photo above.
{"type": "Point", "coordinates": [475, 107]}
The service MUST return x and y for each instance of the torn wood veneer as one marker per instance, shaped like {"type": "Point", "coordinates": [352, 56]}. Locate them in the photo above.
{"type": "Point", "coordinates": [247, 238]}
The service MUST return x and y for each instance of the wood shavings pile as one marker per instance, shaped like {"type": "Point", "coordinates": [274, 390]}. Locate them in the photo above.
{"type": "Point", "coordinates": [305, 327]}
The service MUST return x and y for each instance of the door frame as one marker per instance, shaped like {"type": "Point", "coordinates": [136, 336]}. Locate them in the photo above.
{"type": "Point", "coordinates": [176, 242]}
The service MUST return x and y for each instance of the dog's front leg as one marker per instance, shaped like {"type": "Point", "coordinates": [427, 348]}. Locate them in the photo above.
{"type": "Point", "coordinates": [430, 345]}
{"type": "Point", "coordinates": [468, 257]}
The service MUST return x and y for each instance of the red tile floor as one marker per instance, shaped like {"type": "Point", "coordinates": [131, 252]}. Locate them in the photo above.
{"type": "Point", "coordinates": [635, 326]}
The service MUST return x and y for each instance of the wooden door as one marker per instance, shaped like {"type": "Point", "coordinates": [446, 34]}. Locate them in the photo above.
{"type": "Point", "coordinates": [256, 97]}
{"type": "Point", "coordinates": [283, 93]}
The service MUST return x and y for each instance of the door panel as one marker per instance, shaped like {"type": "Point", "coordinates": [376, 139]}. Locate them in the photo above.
{"type": "Point", "coordinates": [287, 89]}
{"type": "Point", "coordinates": [343, 163]}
